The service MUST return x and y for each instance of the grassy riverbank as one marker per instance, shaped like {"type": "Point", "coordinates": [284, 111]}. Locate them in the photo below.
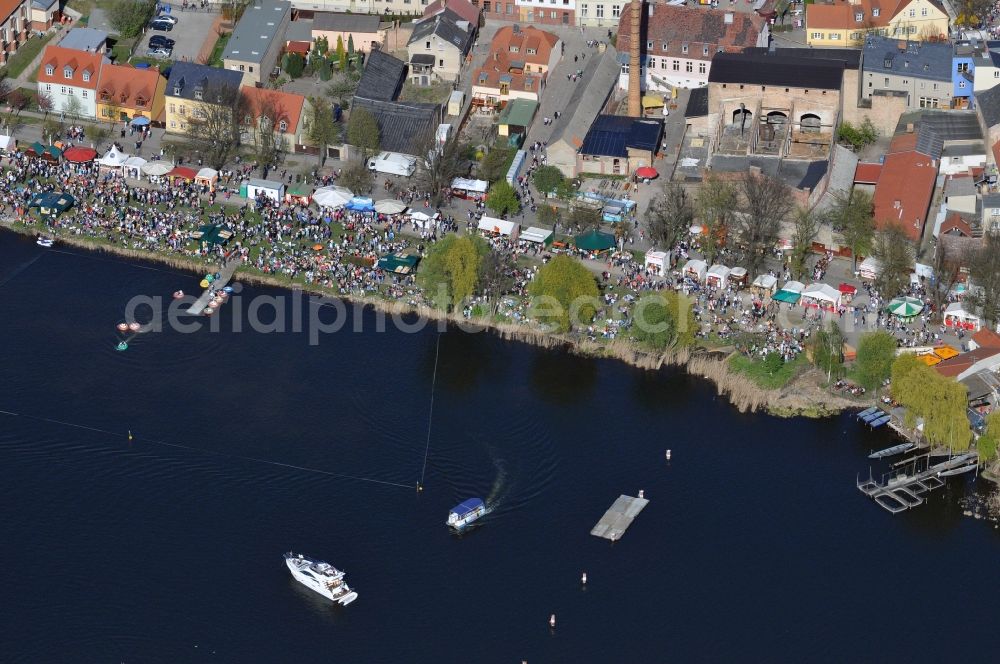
{"type": "Point", "coordinates": [786, 393]}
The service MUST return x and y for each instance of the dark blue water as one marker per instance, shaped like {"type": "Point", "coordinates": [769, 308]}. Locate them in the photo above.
{"type": "Point", "coordinates": [756, 546]}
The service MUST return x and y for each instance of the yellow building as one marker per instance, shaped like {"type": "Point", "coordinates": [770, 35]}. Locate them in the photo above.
{"type": "Point", "coordinates": [191, 88]}
{"type": "Point", "coordinates": [844, 24]}
{"type": "Point", "coordinates": [125, 93]}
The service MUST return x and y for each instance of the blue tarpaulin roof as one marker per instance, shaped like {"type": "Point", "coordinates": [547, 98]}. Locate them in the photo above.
{"type": "Point", "coordinates": [467, 506]}
{"type": "Point", "coordinates": [360, 204]}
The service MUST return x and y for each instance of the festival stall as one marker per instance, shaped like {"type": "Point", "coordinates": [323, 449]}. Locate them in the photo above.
{"type": "Point", "coordinates": [256, 188]}
{"type": "Point", "coordinates": [212, 234]}
{"type": "Point", "coordinates": [956, 316]}
{"type": "Point", "coordinates": [132, 168]}
{"type": "Point", "coordinates": [51, 203]}
{"type": "Point", "coordinates": [790, 293]}
{"type": "Point", "coordinates": [155, 168]}
{"type": "Point", "coordinates": [821, 296]}
{"type": "Point", "coordinates": [47, 152]}
{"type": "Point", "coordinates": [764, 285]}
{"type": "Point", "coordinates": [717, 276]}
{"type": "Point", "coordinates": [499, 227]}
{"type": "Point", "coordinates": [738, 277]}
{"type": "Point", "coordinates": [299, 194]}
{"type": "Point", "coordinates": [594, 240]}
{"type": "Point", "coordinates": [847, 291]}
{"type": "Point", "coordinates": [469, 189]}
{"type": "Point", "coordinates": [8, 144]}
{"type": "Point", "coordinates": [905, 308]}
{"type": "Point", "coordinates": [398, 263]}
{"type": "Point", "coordinates": [79, 154]}
{"type": "Point", "coordinates": [332, 197]}
{"type": "Point", "coordinates": [390, 206]}
{"type": "Point", "coordinates": [542, 236]}
{"type": "Point", "coordinates": [113, 158]}
{"type": "Point", "coordinates": [659, 261]}
{"type": "Point", "coordinates": [422, 219]}
{"type": "Point", "coordinates": [869, 268]}
{"type": "Point", "coordinates": [207, 177]}
{"type": "Point", "coordinates": [182, 173]}
{"type": "Point", "coordinates": [696, 269]}
{"type": "Point", "coordinates": [360, 204]}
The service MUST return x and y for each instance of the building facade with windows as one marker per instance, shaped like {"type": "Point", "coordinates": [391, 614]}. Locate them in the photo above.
{"type": "Point", "coordinates": [680, 43]}
{"type": "Point", "coordinates": [287, 112]}
{"type": "Point", "coordinates": [440, 45]}
{"type": "Point", "coordinates": [190, 88]}
{"type": "Point", "coordinates": [516, 66]}
{"type": "Point", "coordinates": [546, 12]}
{"type": "Point", "coordinates": [920, 70]}
{"type": "Point", "coordinates": [846, 24]}
{"type": "Point", "coordinates": [14, 26]}
{"type": "Point", "coordinates": [600, 14]}
{"type": "Point", "coordinates": [125, 93]}
{"type": "Point", "coordinates": [69, 78]}
{"type": "Point", "coordinates": [255, 45]}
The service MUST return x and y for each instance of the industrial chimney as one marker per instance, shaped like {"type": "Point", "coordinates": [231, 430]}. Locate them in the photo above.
{"type": "Point", "coordinates": [635, 61]}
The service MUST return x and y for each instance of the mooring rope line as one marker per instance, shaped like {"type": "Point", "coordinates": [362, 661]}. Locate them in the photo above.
{"type": "Point", "coordinates": [210, 452]}
{"type": "Point", "coordinates": [122, 262]}
{"type": "Point", "coordinates": [430, 416]}
{"type": "Point", "coordinates": [20, 270]}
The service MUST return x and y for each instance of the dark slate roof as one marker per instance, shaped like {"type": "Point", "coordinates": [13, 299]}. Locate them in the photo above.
{"type": "Point", "coordinates": [697, 103]}
{"type": "Point", "coordinates": [919, 60]}
{"type": "Point", "coordinates": [422, 59]}
{"type": "Point", "coordinates": [988, 103]}
{"type": "Point", "coordinates": [793, 172]}
{"type": "Point", "coordinates": [401, 125]}
{"type": "Point", "coordinates": [445, 25]}
{"type": "Point", "coordinates": [612, 135]}
{"type": "Point", "coordinates": [929, 141]}
{"type": "Point", "coordinates": [778, 70]}
{"type": "Point", "coordinates": [851, 57]}
{"type": "Point", "coordinates": [189, 75]}
{"type": "Point", "coordinates": [948, 125]}
{"type": "Point", "coordinates": [382, 78]}
{"type": "Point", "coordinates": [337, 22]}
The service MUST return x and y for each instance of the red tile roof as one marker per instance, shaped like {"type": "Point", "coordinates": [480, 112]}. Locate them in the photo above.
{"type": "Point", "coordinates": [867, 173]}
{"type": "Point", "coordinates": [79, 63]}
{"type": "Point", "coordinates": [8, 7]}
{"type": "Point", "coordinates": [985, 338]}
{"type": "Point", "coordinates": [954, 366]}
{"type": "Point", "coordinates": [288, 106]}
{"type": "Point", "coordinates": [955, 225]}
{"type": "Point", "coordinates": [996, 152]}
{"type": "Point", "coordinates": [463, 8]}
{"type": "Point", "coordinates": [524, 40]}
{"type": "Point", "coordinates": [699, 29]}
{"type": "Point", "coordinates": [904, 191]}
{"type": "Point", "coordinates": [127, 87]}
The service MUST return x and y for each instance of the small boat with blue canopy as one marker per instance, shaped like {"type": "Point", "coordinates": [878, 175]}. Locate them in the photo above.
{"type": "Point", "coordinates": [466, 512]}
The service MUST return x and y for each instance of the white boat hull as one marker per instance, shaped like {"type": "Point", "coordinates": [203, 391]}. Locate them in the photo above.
{"type": "Point", "coordinates": [320, 578]}
{"type": "Point", "coordinates": [466, 520]}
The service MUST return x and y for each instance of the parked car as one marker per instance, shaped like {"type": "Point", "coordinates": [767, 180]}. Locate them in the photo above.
{"type": "Point", "coordinates": [160, 52]}
{"type": "Point", "coordinates": [162, 26]}
{"type": "Point", "coordinates": [159, 41]}
{"type": "Point", "coordinates": [166, 17]}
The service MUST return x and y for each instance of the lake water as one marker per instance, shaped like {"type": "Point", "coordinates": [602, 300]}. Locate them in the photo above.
{"type": "Point", "coordinates": [756, 545]}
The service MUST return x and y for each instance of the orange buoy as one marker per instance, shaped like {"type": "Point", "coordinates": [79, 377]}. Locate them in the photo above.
{"type": "Point", "coordinates": [122, 327]}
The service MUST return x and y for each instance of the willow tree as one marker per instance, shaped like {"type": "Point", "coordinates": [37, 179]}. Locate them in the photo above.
{"type": "Point", "coordinates": [940, 402]}
{"type": "Point", "coordinates": [564, 293]}
{"type": "Point", "coordinates": [452, 271]}
{"type": "Point", "coordinates": [664, 320]}
{"type": "Point", "coordinates": [716, 204]}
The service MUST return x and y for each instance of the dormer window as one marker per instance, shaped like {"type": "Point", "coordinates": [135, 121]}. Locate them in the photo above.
{"type": "Point", "coordinates": [665, 45]}
{"type": "Point", "coordinates": [198, 94]}
{"type": "Point", "coordinates": [531, 51]}
{"type": "Point", "coordinates": [140, 101]}
{"type": "Point", "coordinates": [282, 126]}
{"type": "Point", "coordinates": [704, 50]}
{"type": "Point", "coordinates": [858, 16]}
{"type": "Point", "coordinates": [177, 91]}
{"type": "Point", "coordinates": [649, 44]}
{"type": "Point", "coordinates": [248, 121]}
{"type": "Point", "coordinates": [684, 48]}
{"type": "Point", "coordinates": [888, 63]}
{"type": "Point", "coordinates": [49, 70]}
{"type": "Point", "coordinates": [67, 72]}
{"type": "Point", "coordinates": [86, 77]}
{"type": "Point", "coordinates": [514, 49]}
{"type": "Point", "coordinates": [876, 11]}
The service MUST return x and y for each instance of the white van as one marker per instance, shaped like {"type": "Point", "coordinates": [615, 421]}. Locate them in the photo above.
{"type": "Point", "coordinates": [393, 163]}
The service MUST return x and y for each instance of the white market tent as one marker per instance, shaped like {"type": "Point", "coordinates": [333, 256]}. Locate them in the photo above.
{"type": "Point", "coordinates": [332, 197]}
{"type": "Point", "coordinates": [536, 234]}
{"type": "Point", "coordinates": [738, 275]}
{"type": "Point", "coordinates": [113, 158]}
{"type": "Point", "coordinates": [499, 226]}
{"type": "Point", "coordinates": [390, 206]}
{"type": "Point", "coordinates": [156, 168]}
{"type": "Point", "coordinates": [422, 219]}
{"type": "Point", "coordinates": [268, 188]}
{"type": "Point", "coordinates": [8, 143]}
{"type": "Point", "coordinates": [132, 167]}
{"type": "Point", "coordinates": [955, 315]}
{"type": "Point", "coordinates": [869, 268]}
{"type": "Point", "coordinates": [765, 284]}
{"type": "Point", "coordinates": [696, 269]}
{"type": "Point", "coordinates": [718, 276]}
{"type": "Point", "coordinates": [470, 186]}
{"type": "Point", "coordinates": [820, 295]}
{"type": "Point", "coordinates": [657, 260]}
{"type": "Point", "coordinates": [794, 287]}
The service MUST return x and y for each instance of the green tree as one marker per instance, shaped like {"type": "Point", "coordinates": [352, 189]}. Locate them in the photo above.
{"type": "Point", "coordinates": [547, 179]}
{"type": "Point", "coordinates": [716, 204]}
{"type": "Point", "coordinates": [342, 87]}
{"type": "Point", "coordinates": [664, 320]}
{"type": "Point", "coordinates": [936, 400]}
{"type": "Point", "coordinates": [564, 293]}
{"type": "Point", "coordinates": [876, 353]}
{"type": "Point", "coordinates": [988, 443]}
{"type": "Point", "coordinates": [494, 165]}
{"type": "Point", "coordinates": [129, 17]}
{"type": "Point", "coordinates": [363, 132]}
{"type": "Point", "coordinates": [851, 218]}
{"type": "Point", "coordinates": [322, 128]}
{"type": "Point", "coordinates": [321, 45]}
{"type": "Point", "coordinates": [502, 198]}
{"type": "Point", "coordinates": [828, 351]}
{"type": "Point", "coordinates": [350, 44]}
{"type": "Point", "coordinates": [894, 251]}
{"type": "Point", "coordinates": [453, 269]}
{"type": "Point", "coordinates": [902, 368]}
{"type": "Point", "coordinates": [549, 215]}
{"type": "Point", "coordinates": [293, 64]}
{"type": "Point", "coordinates": [586, 216]}
{"type": "Point", "coordinates": [669, 216]}
{"type": "Point", "coordinates": [341, 54]}
{"type": "Point", "coordinates": [857, 137]}
{"type": "Point", "coordinates": [806, 228]}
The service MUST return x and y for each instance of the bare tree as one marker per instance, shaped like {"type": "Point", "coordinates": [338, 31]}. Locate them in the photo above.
{"type": "Point", "coordinates": [267, 114]}
{"type": "Point", "coordinates": [767, 202]}
{"type": "Point", "coordinates": [984, 271]}
{"type": "Point", "coordinates": [357, 177]}
{"type": "Point", "coordinates": [217, 124]}
{"type": "Point", "coordinates": [44, 102]}
{"type": "Point", "coordinates": [716, 207]}
{"type": "Point", "coordinates": [322, 128]}
{"type": "Point", "coordinates": [894, 251]}
{"type": "Point", "coordinates": [497, 277]}
{"type": "Point", "coordinates": [669, 216]}
{"type": "Point", "coordinates": [806, 228]}
{"type": "Point", "coordinates": [437, 165]}
{"type": "Point", "coordinates": [949, 259]}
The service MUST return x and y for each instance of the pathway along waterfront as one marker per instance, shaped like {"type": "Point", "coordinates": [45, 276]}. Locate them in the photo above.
{"type": "Point", "coordinates": [755, 545]}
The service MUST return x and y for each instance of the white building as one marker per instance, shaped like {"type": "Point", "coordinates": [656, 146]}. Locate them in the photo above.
{"type": "Point", "coordinates": [69, 79]}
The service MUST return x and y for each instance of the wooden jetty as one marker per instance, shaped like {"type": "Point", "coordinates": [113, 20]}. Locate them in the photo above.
{"type": "Point", "coordinates": [619, 517]}
{"type": "Point", "coordinates": [225, 275]}
{"type": "Point", "coordinates": [904, 490]}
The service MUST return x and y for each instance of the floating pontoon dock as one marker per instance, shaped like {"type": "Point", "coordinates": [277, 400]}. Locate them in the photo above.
{"type": "Point", "coordinates": [619, 517]}
{"type": "Point", "coordinates": [903, 490]}
{"type": "Point", "coordinates": [225, 274]}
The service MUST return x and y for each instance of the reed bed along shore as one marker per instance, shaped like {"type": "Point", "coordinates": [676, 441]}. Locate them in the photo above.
{"type": "Point", "coordinates": [741, 392]}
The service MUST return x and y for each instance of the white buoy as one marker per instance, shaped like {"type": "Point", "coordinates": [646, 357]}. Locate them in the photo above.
{"type": "Point", "coordinates": [668, 455]}
{"type": "Point", "coordinates": [552, 621]}
{"type": "Point", "coordinates": [583, 578]}
{"type": "Point", "coordinates": [641, 493]}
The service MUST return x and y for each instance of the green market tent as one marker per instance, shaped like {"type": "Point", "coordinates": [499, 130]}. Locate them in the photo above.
{"type": "Point", "coordinates": [594, 241]}
{"type": "Point", "coordinates": [398, 263]}
{"type": "Point", "coordinates": [905, 307]}
{"type": "Point", "coordinates": [791, 297]}
{"type": "Point", "coordinates": [52, 202]}
{"type": "Point", "coordinates": [518, 113]}
{"type": "Point", "coordinates": [213, 234]}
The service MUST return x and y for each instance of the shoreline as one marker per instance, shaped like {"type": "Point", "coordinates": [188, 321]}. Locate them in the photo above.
{"type": "Point", "coordinates": [803, 396]}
